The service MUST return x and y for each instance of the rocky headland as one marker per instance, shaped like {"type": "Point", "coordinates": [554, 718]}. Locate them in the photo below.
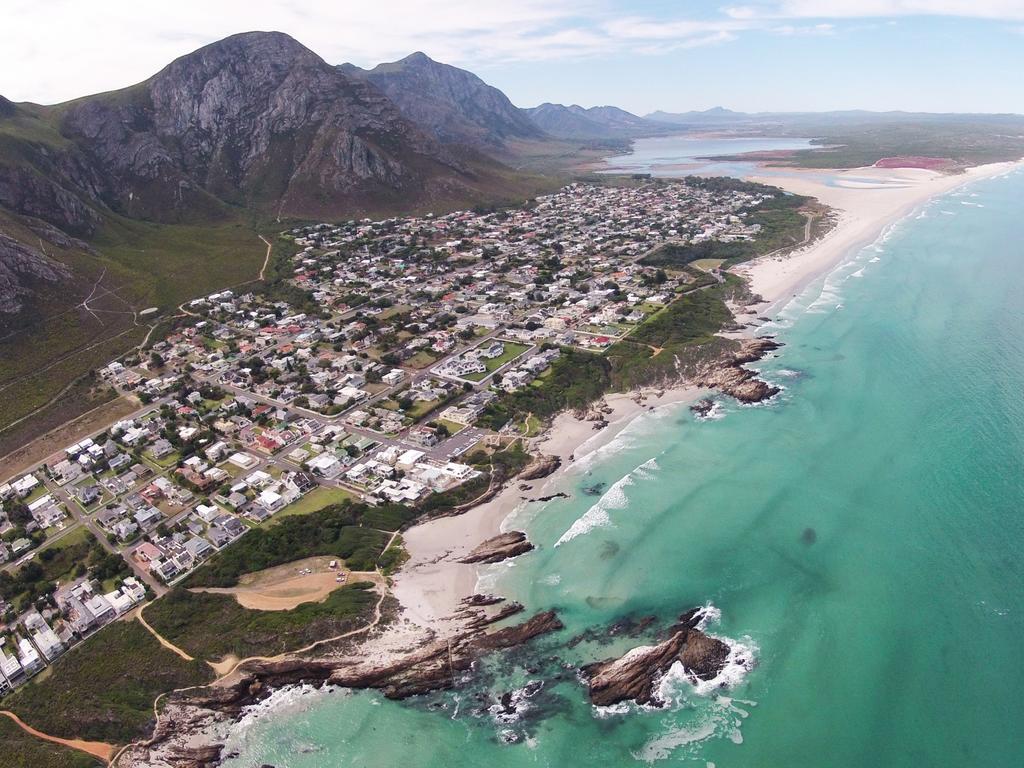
{"type": "Point", "coordinates": [635, 675]}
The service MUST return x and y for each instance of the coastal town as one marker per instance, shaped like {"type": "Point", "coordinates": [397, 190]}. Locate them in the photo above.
{"type": "Point", "coordinates": [375, 380]}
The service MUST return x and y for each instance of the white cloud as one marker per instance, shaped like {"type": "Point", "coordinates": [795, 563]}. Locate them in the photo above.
{"type": "Point", "coordinates": [810, 29]}
{"type": "Point", "coordinates": [850, 9]}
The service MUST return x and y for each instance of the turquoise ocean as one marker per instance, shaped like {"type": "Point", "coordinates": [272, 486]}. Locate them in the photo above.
{"type": "Point", "coordinates": [859, 541]}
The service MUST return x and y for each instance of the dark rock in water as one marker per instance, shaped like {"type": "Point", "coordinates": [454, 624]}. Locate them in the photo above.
{"type": "Point", "coordinates": [691, 618]}
{"type": "Point", "coordinates": [498, 548]}
{"type": "Point", "coordinates": [506, 703]}
{"type": "Point", "coordinates": [627, 627]}
{"type": "Point", "coordinates": [703, 407]}
{"type": "Point", "coordinates": [482, 600]}
{"type": "Point", "coordinates": [703, 656]}
{"type": "Point", "coordinates": [609, 549]}
{"type": "Point", "coordinates": [809, 536]}
{"type": "Point", "coordinates": [632, 677]}
{"type": "Point", "coordinates": [631, 627]}
{"type": "Point", "coordinates": [594, 490]}
{"type": "Point", "coordinates": [510, 704]}
{"type": "Point", "coordinates": [559, 495]}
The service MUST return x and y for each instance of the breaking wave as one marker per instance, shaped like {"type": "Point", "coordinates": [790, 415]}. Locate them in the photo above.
{"type": "Point", "coordinates": [614, 498]}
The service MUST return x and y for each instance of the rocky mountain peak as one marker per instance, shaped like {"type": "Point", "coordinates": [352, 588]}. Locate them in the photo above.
{"type": "Point", "coordinates": [455, 105]}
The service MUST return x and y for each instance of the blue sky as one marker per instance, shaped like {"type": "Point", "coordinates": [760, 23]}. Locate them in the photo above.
{"type": "Point", "coordinates": [754, 55]}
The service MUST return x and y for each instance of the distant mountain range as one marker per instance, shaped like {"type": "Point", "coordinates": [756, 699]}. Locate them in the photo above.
{"type": "Point", "coordinates": [727, 119]}
{"type": "Point", "coordinates": [576, 122]}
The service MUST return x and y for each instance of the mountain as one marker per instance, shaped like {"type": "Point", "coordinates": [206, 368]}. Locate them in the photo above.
{"type": "Point", "coordinates": [453, 104]}
{"type": "Point", "coordinates": [253, 122]}
{"type": "Point", "coordinates": [576, 122]}
{"type": "Point", "coordinates": [25, 270]}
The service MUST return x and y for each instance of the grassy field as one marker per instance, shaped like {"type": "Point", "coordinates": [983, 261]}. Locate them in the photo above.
{"type": "Point", "coordinates": [313, 501]}
{"type": "Point", "coordinates": [453, 427]}
{"type": "Point", "coordinates": [421, 408]}
{"type": "Point", "coordinates": [104, 689]}
{"type": "Point", "coordinates": [21, 750]}
{"type": "Point", "coordinates": [211, 626]}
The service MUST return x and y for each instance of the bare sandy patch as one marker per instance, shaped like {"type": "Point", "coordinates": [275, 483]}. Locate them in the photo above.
{"type": "Point", "coordinates": [284, 587]}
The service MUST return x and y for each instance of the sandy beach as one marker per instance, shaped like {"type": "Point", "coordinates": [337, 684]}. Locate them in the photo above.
{"type": "Point", "coordinates": [867, 200]}
{"type": "Point", "coordinates": [433, 582]}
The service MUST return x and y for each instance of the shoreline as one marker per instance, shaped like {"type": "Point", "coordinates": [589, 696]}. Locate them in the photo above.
{"type": "Point", "coordinates": [432, 583]}
{"type": "Point", "coordinates": [867, 201]}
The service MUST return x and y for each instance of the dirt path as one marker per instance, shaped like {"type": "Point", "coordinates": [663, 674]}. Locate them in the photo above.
{"type": "Point", "coordinates": [99, 749]}
{"type": "Point", "coordinates": [160, 638]}
{"type": "Point", "coordinates": [266, 259]}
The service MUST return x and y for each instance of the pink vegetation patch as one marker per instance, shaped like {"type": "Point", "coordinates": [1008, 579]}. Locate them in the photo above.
{"type": "Point", "coordinates": [911, 161]}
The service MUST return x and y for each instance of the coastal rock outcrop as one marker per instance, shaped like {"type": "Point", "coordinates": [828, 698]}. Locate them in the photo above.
{"type": "Point", "coordinates": [635, 675]}
{"type": "Point", "coordinates": [433, 665]}
{"type": "Point", "coordinates": [541, 466]}
{"type": "Point", "coordinates": [733, 379]}
{"type": "Point", "coordinates": [703, 407]}
{"type": "Point", "coordinates": [500, 547]}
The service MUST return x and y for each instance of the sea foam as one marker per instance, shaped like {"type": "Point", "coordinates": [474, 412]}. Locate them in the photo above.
{"type": "Point", "coordinates": [614, 498]}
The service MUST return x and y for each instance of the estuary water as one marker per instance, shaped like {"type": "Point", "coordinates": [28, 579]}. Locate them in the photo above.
{"type": "Point", "coordinates": [858, 541]}
{"type": "Point", "coordinates": [674, 156]}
